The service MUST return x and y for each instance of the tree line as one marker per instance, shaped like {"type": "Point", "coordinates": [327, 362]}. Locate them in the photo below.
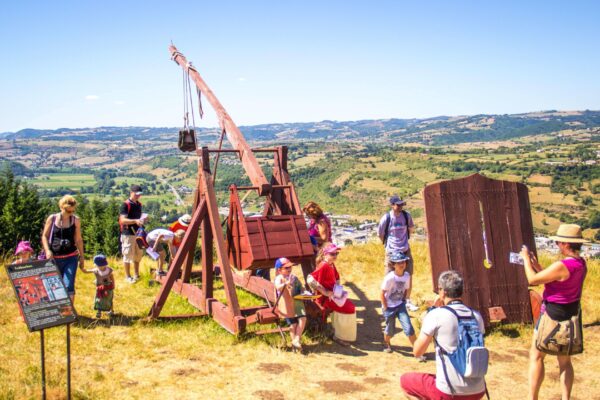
{"type": "Point", "coordinates": [23, 212]}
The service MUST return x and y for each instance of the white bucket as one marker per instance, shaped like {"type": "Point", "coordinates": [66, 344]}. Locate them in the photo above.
{"type": "Point", "coordinates": [344, 326]}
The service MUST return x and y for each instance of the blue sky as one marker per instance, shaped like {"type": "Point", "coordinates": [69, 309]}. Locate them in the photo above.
{"type": "Point", "coordinates": [84, 64]}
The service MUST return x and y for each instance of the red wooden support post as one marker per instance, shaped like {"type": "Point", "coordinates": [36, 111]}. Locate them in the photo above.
{"type": "Point", "coordinates": [189, 259]}
{"type": "Point", "coordinates": [207, 261]}
{"type": "Point", "coordinates": [213, 215]}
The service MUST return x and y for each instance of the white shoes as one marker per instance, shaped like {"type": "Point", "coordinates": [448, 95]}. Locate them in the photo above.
{"type": "Point", "coordinates": [410, 306]}
{"type": "Point", "coordinates": [130, 279]}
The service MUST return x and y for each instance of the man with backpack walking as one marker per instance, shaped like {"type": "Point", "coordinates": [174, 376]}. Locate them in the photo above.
{"type": "Point", "coordinates": [460, 356]}
{"type": "Point", "coordinates": [130, 218]}
{"type": "Point", "coordinates": [394, 231]}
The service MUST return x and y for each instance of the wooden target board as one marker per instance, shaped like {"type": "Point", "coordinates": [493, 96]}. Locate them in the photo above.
{"type": "Point", "coordinates": [473, 224]}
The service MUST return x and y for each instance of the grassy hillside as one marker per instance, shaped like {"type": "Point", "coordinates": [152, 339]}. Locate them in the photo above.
{"type": "Point", "coordinates": [130, 358]}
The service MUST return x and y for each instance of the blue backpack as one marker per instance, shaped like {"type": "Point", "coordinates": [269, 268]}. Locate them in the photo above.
{"type": "Point", "coordinates": [470, 359]}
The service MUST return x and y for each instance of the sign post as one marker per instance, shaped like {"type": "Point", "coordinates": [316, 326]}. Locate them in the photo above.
{"type": "Point", "coordinates": [44, 303]}
{"type": "Point", "coordinates": [43, 362]}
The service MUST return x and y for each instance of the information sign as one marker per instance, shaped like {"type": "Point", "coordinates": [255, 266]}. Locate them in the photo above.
{"type": "Point", "coordinates": [41, 294]}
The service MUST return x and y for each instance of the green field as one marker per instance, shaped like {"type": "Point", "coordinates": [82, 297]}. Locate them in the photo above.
{"type": "Point", "coordinates": [57, 180]}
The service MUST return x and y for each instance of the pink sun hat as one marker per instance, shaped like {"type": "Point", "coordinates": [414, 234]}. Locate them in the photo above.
{"type": "Point", "coordinates": [331, 249]}
{"type": "Point", "coordinates": [23, 246]}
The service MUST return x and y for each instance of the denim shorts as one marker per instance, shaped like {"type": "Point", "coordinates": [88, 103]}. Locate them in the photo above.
{"type": "Point", "coordinates": [68, 268]}
{"type": "Point", "coordinates": [391, 313]}
{"type": "Point", "coordinates": [293, 320]}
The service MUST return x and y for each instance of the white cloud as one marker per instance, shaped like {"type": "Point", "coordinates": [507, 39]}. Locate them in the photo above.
{"type": "Point", "coordinates": [242, 79]}
{"type": "Point", "coordinates": [91, 97]}
{"type": "Point", "coordinates": [119, 102]}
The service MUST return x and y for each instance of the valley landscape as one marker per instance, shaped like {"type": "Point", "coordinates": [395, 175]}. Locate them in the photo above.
{"type": "Point", "coordinates": [348, 167]}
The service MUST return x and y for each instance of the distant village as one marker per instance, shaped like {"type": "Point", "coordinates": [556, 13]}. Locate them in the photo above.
{"type": "Point", "coordinates": [346, 234]}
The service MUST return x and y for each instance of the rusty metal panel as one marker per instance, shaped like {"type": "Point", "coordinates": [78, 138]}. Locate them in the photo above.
{"type": "Point", "coordinates": [473, 223]}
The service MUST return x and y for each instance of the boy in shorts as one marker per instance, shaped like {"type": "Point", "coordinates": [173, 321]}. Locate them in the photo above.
{"type": "Point", "coordinates": [394, 287]}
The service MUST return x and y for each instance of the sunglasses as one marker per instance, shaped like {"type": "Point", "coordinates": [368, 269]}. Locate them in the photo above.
{"type": "Point", "coordinates": [286, 267]}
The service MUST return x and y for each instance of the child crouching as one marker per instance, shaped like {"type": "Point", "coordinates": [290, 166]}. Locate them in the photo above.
{"type": "Point", "coordinates": [105, 285]}
{"type": "Point", "coordinates": [393, 301]}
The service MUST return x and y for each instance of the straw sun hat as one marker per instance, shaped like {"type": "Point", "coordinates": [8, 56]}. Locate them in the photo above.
{"type": "Point", "coordinates": [569, 233]}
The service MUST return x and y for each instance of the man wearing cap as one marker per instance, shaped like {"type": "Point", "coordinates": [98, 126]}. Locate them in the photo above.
{"type": "Point", "coordinates": [130, 218]}
{"type": "Point", "coordinates": [394, 231]}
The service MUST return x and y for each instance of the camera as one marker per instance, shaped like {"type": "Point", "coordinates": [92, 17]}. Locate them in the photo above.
{"type": "Point", "coordinates": [515, 258]}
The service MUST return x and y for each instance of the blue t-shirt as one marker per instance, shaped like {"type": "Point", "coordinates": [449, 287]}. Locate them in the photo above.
{"type": "Point", "coordinates": [397, 233]}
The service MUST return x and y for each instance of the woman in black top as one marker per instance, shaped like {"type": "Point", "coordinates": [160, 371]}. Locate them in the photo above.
{"type": "Point", "coordinates": [62, 241]}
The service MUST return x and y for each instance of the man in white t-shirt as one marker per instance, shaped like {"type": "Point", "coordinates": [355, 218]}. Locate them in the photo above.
{"type": "Point", "coordinates": [442, 325]}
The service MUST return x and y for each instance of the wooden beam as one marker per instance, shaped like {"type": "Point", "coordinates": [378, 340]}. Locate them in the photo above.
{"type": "Point", "coordinates": [235, 137]}
{"type": "Point", "coordinates": [181, 316]}
{"type": "Point", "coordinates": [255, 285]}
{"type": "Point", "coordinates": [224, 316]}
{"type": "Point", "coordinates": [213, 214]}
{"type": "Point", "coordinates": [207, 260]}
{"type": "Point", "coordinates": [189, 259]}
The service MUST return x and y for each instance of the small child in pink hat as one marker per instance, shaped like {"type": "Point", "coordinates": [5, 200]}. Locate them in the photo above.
{"type": "Point", "coordinates": [24, 252]}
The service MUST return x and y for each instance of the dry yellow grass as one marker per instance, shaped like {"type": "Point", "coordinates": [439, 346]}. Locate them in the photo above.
{"type": "Point", "coordinates": [538, 217]}
{"type": "Point", "coordinates": [307, 160]}
{"type": "Point", "coordinates": [376, 184]}
{"type": "Point", "coordinates": [341, 179]}
{"type": "Point", "coordinates": [133, 359]}
{"type": "Point", "coordinates": [543, 195]}
{"type": "Point", "coordinates": [384, 166]}
{"type": "Point", "coordinates": [423, 175]}
{"type": "Point", "coordinates": [538, 178]}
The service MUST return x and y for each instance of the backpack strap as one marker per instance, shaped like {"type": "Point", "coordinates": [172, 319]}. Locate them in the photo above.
{"type": "Point", "coordinates": [128, 204]}
{"type": "Point", "coordinates": [386, 232]}
{"type": "Point", "coordinates": [405, 213]}
{"type": "Point", "coordinates": [441, 352]}
{"type": "Point", "coordinates": [52, 230]}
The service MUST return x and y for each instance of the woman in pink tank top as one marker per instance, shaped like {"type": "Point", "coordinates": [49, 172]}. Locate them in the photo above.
{"type": "Point", "coordinates": [319, 227]}
{"type": "Point", "coordinates": [563, 282]}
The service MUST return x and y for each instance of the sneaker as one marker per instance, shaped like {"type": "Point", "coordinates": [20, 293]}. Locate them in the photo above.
{"type": "Point", "coordinates": [410, 306]}
{"type": "Point", "coordinates": [388, 349]}
{"type": "Point", "coordinates": [136, 278]}
{"type": "Point", "coordinates": [423, 358]}
{"type": "Point", "coordinates": [297, 345]}
{"type": "Point", "coordinates": [130, 279]}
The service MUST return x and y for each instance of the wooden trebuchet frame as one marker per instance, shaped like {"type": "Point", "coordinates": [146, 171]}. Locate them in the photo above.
{"type": "Point", "coordinates": [280, 200]}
